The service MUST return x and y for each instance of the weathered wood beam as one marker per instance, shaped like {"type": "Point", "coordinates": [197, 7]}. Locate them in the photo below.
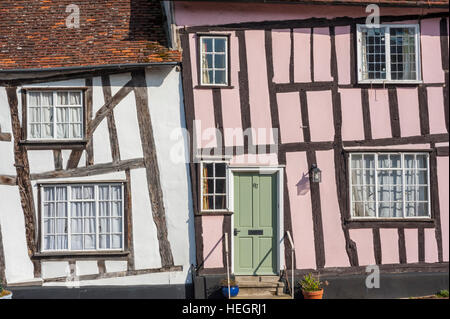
{"type": "Point", "coordinates": [151, 165]}
{"type": "Point", "coordinates": [89, 110]}
{"type": "Point", "coordinates": [23, 172]}
{"type": "Point", "coordinates": [113, 140]}
{"type": "Point", "coordinates": [5, 137]}
{"type": "Point", "coordinates": [97, 169]}
{"type": "Point", "coordinates": [2, 260]}
{"type": "Point", "coordinates": [8, 180]}
{"type": "Point", "coordinates": [57, 157]}
{"type": "Point", "coordinates": [74, 159]}
{"type": "Point", "coordinates": [109, 106]}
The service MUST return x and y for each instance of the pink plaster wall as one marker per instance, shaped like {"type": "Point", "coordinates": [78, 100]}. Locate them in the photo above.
{"type": "Point", "coordinates": [290, 117]}
{"type": "Point", "coordinates": [281, 50]}
{"type": "Point", "coordinates": [204, 116]}
{"type": "Point", "coordinates": [258, 87]}
{"type": "Point", "coordinates": [334, 241]}
{"type": "Point", "coordinates": [261, 159]}
{"type": "Point", "coordinates": [408, 108]}
{"type": "Point", "coordinates": [431, 250]}
{"type": "Point", "coordinates": [302, 55]}
{"type": "Point", "coordinates": [342, 40]}
{"type": "Point", "coordinates": [363, 239]}
{"type": "Point", "coordinates": [389, 246]}
{"type": "Point", "coordinates": [431, 51]}
{"type": "Point", "coordinates": [300, 204]}
{"type": "Point", "coordinates": [322, 54]}
{"type": "Point", "coordinates": [212, 241]}
{"type": "Point", "coordinates": [443, 182]}
{"type": "Point", "coordinates": [436, 110]}
{"type": "Point", "coordinates": [231, 103]}
{"type": "Point", "coordinates": [412, 245]}
{"type": "Point", "coordinates": [352, 117]}
{"type": "Point", "coordinates": [379, 113]}
{"type": "Point", "coordinates": [199, 13]}
{"type": "Point", "coordinates": [320, 112]}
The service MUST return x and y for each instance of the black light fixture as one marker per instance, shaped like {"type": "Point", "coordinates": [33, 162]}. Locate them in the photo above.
{"type": "Point", "coordinates": [315, 173]}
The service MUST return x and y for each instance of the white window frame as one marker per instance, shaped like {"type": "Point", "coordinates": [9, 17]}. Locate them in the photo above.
{"type": "Point", "coordinates": [202, 209]}
{"type": "Point", "coordinates": [201, 37]}
{"type": "Point", "coordinates": [377, 169]}
{"type": "Point", "coordinates": [54, 106]}
{"type": "Point", "coordinates": [69, 217]}
{"type": "Point", "coordinates": [387, 41]}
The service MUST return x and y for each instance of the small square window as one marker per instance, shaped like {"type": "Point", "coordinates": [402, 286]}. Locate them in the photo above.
{"type": "Point", "coordinates": [213, 186]}
{"type": "Point", "coordinates": [214, 60]}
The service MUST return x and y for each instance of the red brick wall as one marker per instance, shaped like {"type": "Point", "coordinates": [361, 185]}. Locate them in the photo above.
{"type": "Point", "coordinates": [33, 33]}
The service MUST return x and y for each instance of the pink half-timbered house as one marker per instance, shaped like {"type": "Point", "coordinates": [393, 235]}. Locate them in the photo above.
{"type": "Point", "coordinates": [279, 93]}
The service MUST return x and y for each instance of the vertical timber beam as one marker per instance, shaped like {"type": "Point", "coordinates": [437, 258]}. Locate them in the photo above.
{"type": "Point", "coordinates": [151, 166]}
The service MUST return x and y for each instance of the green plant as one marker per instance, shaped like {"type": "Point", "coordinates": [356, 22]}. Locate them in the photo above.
{"type": "Point", "coordinates": [311, 283]}
{"type": "Point", "coordinates": [443, 293]}
{"type": "Point", "coordinates": [224, 283]}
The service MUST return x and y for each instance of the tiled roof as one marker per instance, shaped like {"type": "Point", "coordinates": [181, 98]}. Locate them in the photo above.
{"type": "Point", "coordinates": [34, 34]}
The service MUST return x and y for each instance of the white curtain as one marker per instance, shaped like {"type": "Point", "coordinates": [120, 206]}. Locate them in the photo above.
{"type": "Point", "coordinates": [55, 221]}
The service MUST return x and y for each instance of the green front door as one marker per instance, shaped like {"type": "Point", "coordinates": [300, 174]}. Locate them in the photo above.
{"type": "Point", "coordinates": [255, 224]}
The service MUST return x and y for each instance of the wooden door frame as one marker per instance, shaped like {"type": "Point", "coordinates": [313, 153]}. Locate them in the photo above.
{"type": "Point", "coordinates": [279, 171]}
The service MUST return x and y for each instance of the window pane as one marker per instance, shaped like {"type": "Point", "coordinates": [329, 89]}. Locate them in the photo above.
{"type": "Point", "coordinates": [103, 192]}
{"type": "Point", "coordinates": [77, 192]}
{"type": "Point", "coordinates": [370, 209]}
{"type": "Point", "coordinates": [62, 115]}
{"type": "Point", "coordinates": [76, 225]}
{"type": "Point", "coordinates": [403, 53]}
{"type": "Point", "coordinates": [49, 209]}
{"type": "Point", "coordinates": [357, 193]}
{"type": "Point", "coordinates": [207, 45]}
{"type": "Point", "coordinates": [358, 209]}
{"type": "Point", "coordinates": [116, 192]}
{"type": "Point", "coordinates": [89, 209]}
{"type": "Point", "coordinates": [116, 225]}
{"type": "Point", "coordinates": [103, 208]}
{"type": "Point", "coordinates": [356, 161]}
{"type": "Point", "coordinates": [49, 226]}
{"type": "Point", "coordinates": [220, 170]}
{"type": "Point", "coordinates": [35, 99]}
{"type": "Point", "coordinates": [396, 193]}
{"type": "Point", "coordinates": [62, 130]}
{"type": "Point", "coordinates": [397, 210]}
{"type": "Point", "coordinates": [422, 161]}
{"type": "Point", "coordinates": [422, 193]}
{"type": "Point", "coordinates": [63, 98]}
{"type": "Point", "coordinates": [395, 161]}
{"type": "Point", "coordinates": [47, 98]}
{"type": "Point", "coordinates": [89, 225]}
{"type": "Point", "coordinates": [410, 194]}
{"type": "Point", "coordinates": [357, 177]}
{"type": "Point", "coordinates": [220, 77]}
{"type": "Point", "coordinates": [221, 202]}
{"type": "Point", "coordinates": [35, 114]}
{"type": "Point", "coordinates": [61, 242]}
{"type": "Point", "coordinates": [384, 209]}
{"type": "Point", "coordinates": [104, 241]}
{"type": "Point", "coordinates": [89, 242]}
{"type": "Point", "coordinates": [369, 161]}
{"type": "Point", "coordinates": [76, 209]}
{"type": "Point", "coordinates": [116, 241]}
{"type": "Point", "coordinates": [373, 53]}
{"type": "Point", "coordinates": [77, 242]}
{"type": "Point", "coordinates": [61, 193]}
{"type": "Point", "coordinates": [61, 209]}
{"type": "Point", "coordinates": [219, 44]}
{"type": "Point", "coordinates": [370, 177]}
{"type": "Point", "coordinates": [384, 194]}
{"type": "Point", "coordinates": [410, 210]}
{"type": "Point", "coordinates": [383, 161]}
{"type": "Point", "coordinates": [410, 177]}
{"type": "Point", "coordinates": [219, 61]}
{"type": "Point", "coordinates": [75, 98]}
{"type": "Point", "coordinates": [409, 161]}
{"type": "Point", "coordinates": [220, 186]}
{"type": "Point", "coordinates": [116, 208]}
{"type": "Point", "coordinates": [88, 192]}
{"type": "Point", "coordinates": [208, 202]}
{"type": "Point", "coordinates": [35, 130]}
{"type": "Point", "coordinates": [208, 170]}
{"type": "Point", "coordinates": [104, 225]}
{"type": "Point", "coordinates": [422, 177]}
{"type": "Point", "coordinates": [208, 186]}
{"type": "Point", "coordinates": [369, 194]}
{"type": "Point", "coordinates": [422, 209]}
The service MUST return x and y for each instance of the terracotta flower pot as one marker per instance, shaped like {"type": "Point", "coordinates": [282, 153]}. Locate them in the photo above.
{"type": "Point", "coordinates": [313, 294]}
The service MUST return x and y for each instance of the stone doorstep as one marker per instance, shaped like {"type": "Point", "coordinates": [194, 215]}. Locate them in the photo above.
{"type": "Point", "coordinates": [265, 286]}
{"type": "Point", "coordinates": [266, 296]}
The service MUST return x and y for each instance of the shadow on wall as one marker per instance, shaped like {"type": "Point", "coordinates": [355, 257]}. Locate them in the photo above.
{"type": "Point", "coordinates": [303, 186]}
{"type": "Point", "coordinates": [211, 251]}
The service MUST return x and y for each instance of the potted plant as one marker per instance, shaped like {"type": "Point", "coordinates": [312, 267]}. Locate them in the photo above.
{"type": "Point", "coordinates": [312, 288]}
{"type": "Point", "coordinates": [234, 288]}
{"type": "Point", "coordinates": [4, 294]}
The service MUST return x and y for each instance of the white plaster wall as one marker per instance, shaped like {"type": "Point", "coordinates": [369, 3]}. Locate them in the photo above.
{"type": "Point", "coordinates": [116, 265]}
{"type": "Point", "coordinates": [145, 241]}
{"type": "Point", "coordinates": [17, 263]}
{"type": "Point", "coordinates": [41, 161]}
{"type": "Point", "coordinates": [118, 81]}
{"type": "Point", "coordinates": [86, 267]}
{"type": "Point", "coordinates": [54, 269]}
{"type": "Point", "coordinates": [127, 126]}
{"type": "Point", "coordinates": [167, 114]}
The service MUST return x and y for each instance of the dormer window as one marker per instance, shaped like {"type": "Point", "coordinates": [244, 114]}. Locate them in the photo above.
{"type": "Point", "coordinates": [214, 60]}
{"type": "Point", "coordinates": [388, 53]}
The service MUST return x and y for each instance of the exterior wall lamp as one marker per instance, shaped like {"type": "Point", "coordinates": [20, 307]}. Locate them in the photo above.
{"type": "Point", "coordinates": [315, 173]}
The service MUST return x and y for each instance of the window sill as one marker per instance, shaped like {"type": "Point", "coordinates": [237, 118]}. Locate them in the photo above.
{"type": "Point", "coordinates": [54, 144]}
{"type": "Point", "coordinates": [416, 82]}
{"type": "Point", "coordinates": [214, 213]}
{"type": "Point", "coordinates": [390, 222]}
{"type": "Point", "coordinates": [80, 254]}
{"type": "Point", "coordinates": [210, 87]}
